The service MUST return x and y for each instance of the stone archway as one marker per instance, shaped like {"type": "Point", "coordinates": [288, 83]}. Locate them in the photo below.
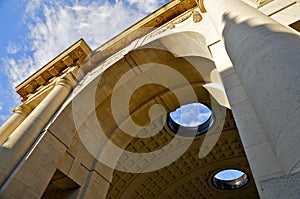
{"type": "Point", "coordinates": [182, 170]}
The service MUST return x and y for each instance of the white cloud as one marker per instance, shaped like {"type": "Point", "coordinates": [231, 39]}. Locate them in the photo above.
{"type": "Point", "coordinates": [18, 69]}
{"type": "Point", "coordinates": [13, 48]}
{"type": "Point", "coordinates": [191, 115]}
{"type": "Point", "coordinates": [230, 174]}
{"type": "Point", "coordinates": [55, 25]}
{"type": "Point", "coordinates": [32, 6]}
{"type": "Point", "coordinates": [147, 6]}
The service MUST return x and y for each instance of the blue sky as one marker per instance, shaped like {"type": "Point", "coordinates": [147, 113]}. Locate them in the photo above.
{"type": "Point", "coordinates": [229, 174]}
{"type": "Point", "coordinates": [34, 31]}
{"type": "Point", "coordinates": [191, 115]}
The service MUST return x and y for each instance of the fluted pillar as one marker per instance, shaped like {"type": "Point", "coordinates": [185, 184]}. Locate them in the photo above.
{"type": "Point", "coordinates": [265, 57]}
{"type": "Point", "coordinates": [15, 147]}
{"type": "Point", "coordinates": [20, 113]}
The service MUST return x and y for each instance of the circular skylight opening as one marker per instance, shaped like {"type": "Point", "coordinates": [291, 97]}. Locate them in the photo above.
{"type": "Point", "coordinates": [230, 179]}
{"type": "Point", "coordinates": [190, 119]}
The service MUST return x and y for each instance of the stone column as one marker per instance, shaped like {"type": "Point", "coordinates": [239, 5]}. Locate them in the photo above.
{"type": "Point", "coordinates": [20, 113]}
{"type": "Point", "coordinates": [265, 57]}
{"type": "Point", "coordinates": [16, 146]}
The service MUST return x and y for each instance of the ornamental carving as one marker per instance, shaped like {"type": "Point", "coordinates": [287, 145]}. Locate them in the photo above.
{"type": "Point", "coordinates": [257, 3]}
{"type": "Point", "coordinates": [54, 69]}
{"type": "Point", "coordinates": [196, 16]}
{"type": "Point", "coordinates": [261, 3]}
{"type": "Point", "coordinates": [173, 24]}
{"type": "Point", "coordinates": [183, 18]}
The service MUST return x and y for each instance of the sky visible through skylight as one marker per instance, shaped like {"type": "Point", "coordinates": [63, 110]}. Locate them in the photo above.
{"type": "Point", "coordinates": [33, 32]}
{"type": "Point", "coordinates": [229, 174]}
{"type": "Point", "coordinates": [191, 115]}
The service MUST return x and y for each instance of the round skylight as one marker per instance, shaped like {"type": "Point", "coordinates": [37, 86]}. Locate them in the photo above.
{"type": "Point", "coordinates": [190, 119]}
{"type": "Point", "coordinates": [230, 179]}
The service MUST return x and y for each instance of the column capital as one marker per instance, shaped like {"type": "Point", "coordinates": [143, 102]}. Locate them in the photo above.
{"type": "Point", "coordinates": [23, 108]}
{"type": "Point", "coordinates": [201, 5]}
{"type": "Point", "coordinates": [66, 80]}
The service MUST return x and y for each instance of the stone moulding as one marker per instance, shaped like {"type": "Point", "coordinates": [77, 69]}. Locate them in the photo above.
{"type": "Point", "coordinates": [257, 3]}
{"type": "Point", "coordinates": [74, 55]}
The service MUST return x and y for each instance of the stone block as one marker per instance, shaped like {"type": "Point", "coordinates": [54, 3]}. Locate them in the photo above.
{"type": "Point", "coordinates": [287, 145]}
{"type": "Point", "coordinates": [80, 175]}
{"type": "Point", "coordinates": [105, 171]}
{"type": "Point", "coordinates": [64, 128]}
{"type": "Point", "coordinates": [29, 178]}
{"type": "Point", "coordinates": [263, 160]}
{"type": "Point", "coordinates": [236, 95]}
{"type": "Point", "coordinates": [248, 124]}
{"type": "Point", "coordinates": [282, 187]}
{"type": "Point", "coordinates": [96, 187]}
{"type": "Point", "coordinates": [15, 189]}
{"type": "Point", "coordinates": [30, 194]}
{"type": "Point", "coordinates": [230, 80]}
{"type": "Point", "coordinates": [66, 163]}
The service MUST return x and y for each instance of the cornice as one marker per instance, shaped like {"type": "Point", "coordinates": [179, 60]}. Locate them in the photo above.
{"type": "Point", "coordinates": [76, 54]}
{"type": "Point", "coordinates": [154, 20]}
{"type": "Point", "coordinates": [72, 56]}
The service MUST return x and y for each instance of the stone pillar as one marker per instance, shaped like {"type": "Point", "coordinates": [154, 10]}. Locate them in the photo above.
{"type": "Point", "coordinates": [20, 113]}
{"type": "Point", "coordinates": [265, 57]}
{"type": "Point", "coordinates": [16, 146]}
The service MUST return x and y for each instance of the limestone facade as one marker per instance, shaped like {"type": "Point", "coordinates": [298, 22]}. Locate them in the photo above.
{"type": "Point", "coordinates": [94, 124]}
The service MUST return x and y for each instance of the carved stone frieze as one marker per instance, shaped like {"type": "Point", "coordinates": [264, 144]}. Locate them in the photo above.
{"type": "Point", "coordinates": [257, 3]}
{"type": "Point", "coordinates": [157, 19]}
{"type": "Point", "coordinates": [75, 55]}
{"type": "Point", "coordinates": [79, 52]}
{"type": "Point", "coordinates": [261, 3]}
{"type": "Point", "coordinates": [172, 24]}
{"type": "Point", "coordinates": [183, 18]}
